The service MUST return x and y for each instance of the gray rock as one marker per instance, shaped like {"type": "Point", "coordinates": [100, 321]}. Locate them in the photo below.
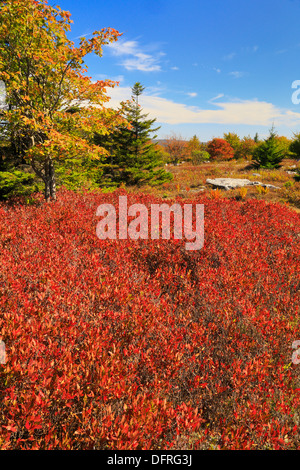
{"type": "Point", "coordinates": [269, 186]}
{"type": "Point", "coordinates": [228, 183]}
{"type": "Point", "coordinates": [197, 190]}
{"type": "Point", "coordinates": [232, 183]}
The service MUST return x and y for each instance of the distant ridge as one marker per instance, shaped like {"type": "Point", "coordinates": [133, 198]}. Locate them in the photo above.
{"type": "Point", "coordinates": [163, 141]}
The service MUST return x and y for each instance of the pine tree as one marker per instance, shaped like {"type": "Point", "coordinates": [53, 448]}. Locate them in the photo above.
{"type": "Point", "coordinates": [295, 146]}
{"type": "Point", "coordinates": [268, 154]}
{"type": "Point", "coordinates": [134, 158]}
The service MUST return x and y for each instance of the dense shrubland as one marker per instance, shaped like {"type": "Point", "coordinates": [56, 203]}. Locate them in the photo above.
{"type": "Point", "coordinates": [123, 344]}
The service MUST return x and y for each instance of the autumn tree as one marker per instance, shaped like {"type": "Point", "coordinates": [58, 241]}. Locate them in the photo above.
{"type": "Point", "coordinates": [284, 143]}
{"type": "Point", "coordinates": [220, 149]}
{"type": "Point", "coordinates": [45, 77]}
{"type": "Point", "coordinates": [194, 144]}
{"type": "Point", "coordinates": [196, 151]}
{"type": "Point", "coordinates": [176, 147]}
{"type": "Point", "coordinates": [233, 139]}
{"type": "Point", "coordinates": [246, 148]}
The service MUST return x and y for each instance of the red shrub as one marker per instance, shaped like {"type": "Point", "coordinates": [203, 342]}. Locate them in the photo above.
{"type": "Point", "coordinates": [220, 149]}
{"type": "Point", "coordinates": [123, 344]}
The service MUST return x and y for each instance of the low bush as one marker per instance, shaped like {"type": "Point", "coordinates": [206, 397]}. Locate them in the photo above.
{"type": "Point", "coordinates": [220, 149]}
{"type": "Point", "coordinates": [17, 183]}
{"type": "Point", "coordinates": [140, 344]}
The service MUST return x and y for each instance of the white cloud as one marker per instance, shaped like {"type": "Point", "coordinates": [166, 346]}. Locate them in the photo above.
{"type": "Point", "coordinates": [229, 56]}
{"type": "Point", "coordinates": [192, 94]}
{"type": "Point", "coordinates": [123, 47]}
{"type": "Point", "coordinates": [141, 62]}
{"type": "Point", "coordinates": [136, 60]}
{"type": "Point", "coordinates": [155, 90]}
{"type": "Point", "coordinates": [2, 95]}
{"type": "Point", "coordinates": [248, 112]}
{"type": "Point", "coordinates": [237, 74]}
{"type": "Point", "coordinates": [102, 76]}
{"type": "Point", "coordinates": [220, 95]}
{"type": "Point", "coordinates": [250, 49]}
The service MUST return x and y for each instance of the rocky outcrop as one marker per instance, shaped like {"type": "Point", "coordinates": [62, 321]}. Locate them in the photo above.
{"type": "Point", "coordinates": [233, 183]}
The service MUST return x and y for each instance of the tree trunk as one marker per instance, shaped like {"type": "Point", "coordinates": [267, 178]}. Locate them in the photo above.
{"type": "Point", "coordinates": [52, 181]}
{"type": "Point", "coordinates": [47, 181]}
{"type": "Point", "coordinates": [50, 186]}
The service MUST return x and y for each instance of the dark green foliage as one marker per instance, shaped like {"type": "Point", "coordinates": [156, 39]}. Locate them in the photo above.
{"type": "Point", "coordinates": [295, 146]}
{"type": "Point", "coordinates": [133, 157]}
{"type": "Point", "coordinates": [199, 156]}
{"type": "Point", "coordinates": [15, 178]}
{"type": "Point", "coordinates": [76, 174]}
{"type": "Point", "coordinates": [268, 154]}
{"type": "Point", "coordinates": [17, 183]}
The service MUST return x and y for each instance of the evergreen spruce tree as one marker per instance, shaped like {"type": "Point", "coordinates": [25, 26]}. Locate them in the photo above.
{"type": "Point", "coordinates": [134, 158]}
{"type": "Point", "coordinates": [268, 154]}
{"type": "Point", "coordinates": [295, 146]}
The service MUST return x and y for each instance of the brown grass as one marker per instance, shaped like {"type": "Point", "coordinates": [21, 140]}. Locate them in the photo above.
{"type": "Point", "coordinates": [191, 179]}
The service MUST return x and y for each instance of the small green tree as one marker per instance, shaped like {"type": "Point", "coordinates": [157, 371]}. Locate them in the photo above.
{"type": "Point", "coordinates": [17, 183]}
{"type": "Point", "coordinates": [195, 151]}
{"type": "Point", "coordinates": [193, 144]}
{"type": "Point", "coordinates": [234, 140]}
{"type": "Point", "coordinates": [134, 158]}
{"type": "Point", "coordinates": [268, 154]}
{"type": "Point", "coordinates": [295, 152]}
{"type": "Point", "coordinates": [295, 146]}
{"type": "Point", "coordinates": [199, 156]}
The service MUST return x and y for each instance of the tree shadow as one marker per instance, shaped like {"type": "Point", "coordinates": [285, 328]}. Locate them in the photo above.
{"type": "Point", "coordinates": [249, 167]}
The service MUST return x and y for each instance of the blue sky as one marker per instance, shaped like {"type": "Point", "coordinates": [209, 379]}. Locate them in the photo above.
{"type": "Point", "coordinates": [208, 67]}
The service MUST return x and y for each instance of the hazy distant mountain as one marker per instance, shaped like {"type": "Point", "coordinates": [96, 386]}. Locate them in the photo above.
{"type": "Point", "coordinates": [163, 141]}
